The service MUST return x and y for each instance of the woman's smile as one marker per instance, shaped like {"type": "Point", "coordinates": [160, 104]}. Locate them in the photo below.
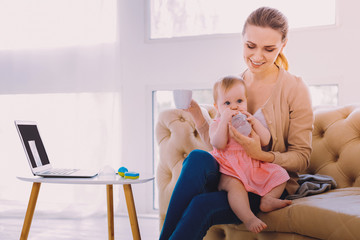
{"type": "Point", "coordinates": [256, 64]}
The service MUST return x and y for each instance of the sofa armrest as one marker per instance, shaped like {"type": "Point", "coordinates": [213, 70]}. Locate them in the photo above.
{"type": "Point", "coordinates": [336, 144]}
{"type": "Point", "coordinates": [176, 137]}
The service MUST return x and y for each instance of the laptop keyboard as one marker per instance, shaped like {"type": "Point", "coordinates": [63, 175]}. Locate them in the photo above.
{"type": "Point", "coordinates": [60, 171]}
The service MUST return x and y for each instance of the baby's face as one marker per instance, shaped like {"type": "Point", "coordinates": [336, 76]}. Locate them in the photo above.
{"type": "Point", "coordinates": [234, 98]}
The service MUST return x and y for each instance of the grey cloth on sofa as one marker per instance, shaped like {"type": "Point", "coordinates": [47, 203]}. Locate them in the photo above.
{"type": "Point", "coordinates": [312, 184]}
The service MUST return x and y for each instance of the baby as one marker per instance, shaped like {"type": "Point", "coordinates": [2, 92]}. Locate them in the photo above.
{"type": "Point", "coordinates": [240, 173]}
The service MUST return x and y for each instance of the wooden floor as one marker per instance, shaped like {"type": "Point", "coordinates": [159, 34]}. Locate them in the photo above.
{"type": "Point", "coordinates": [94, 228]}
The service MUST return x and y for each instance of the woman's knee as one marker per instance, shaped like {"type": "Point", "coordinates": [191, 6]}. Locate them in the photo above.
{"type": "Point", "coordinates": [201, 159]}
{"type": "Point", "coordinates": [202, 169]}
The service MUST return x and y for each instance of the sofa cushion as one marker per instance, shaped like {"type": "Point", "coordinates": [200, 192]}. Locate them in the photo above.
{"type": "Point", "coordinates": [333, 215]}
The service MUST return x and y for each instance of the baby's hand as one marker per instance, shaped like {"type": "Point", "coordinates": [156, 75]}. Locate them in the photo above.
{"type": "Point", "coordinates": [250, 118]}
{"type": "Point", "coordinates": [228, 114]}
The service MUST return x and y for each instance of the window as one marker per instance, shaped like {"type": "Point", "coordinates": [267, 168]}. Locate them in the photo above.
{"type": "Point", "coordinates": [79, 130]}
{"type": "Point", "coordinates": [41, 24]}
{"type": "Point", "coordinates": [180, 18]}
{"type": "Point", "coordinates": [162, 100]}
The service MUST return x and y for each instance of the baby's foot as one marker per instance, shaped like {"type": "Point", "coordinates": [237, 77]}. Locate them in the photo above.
{"type": "Point", "coordinates": [269, 203]}
{"type": "Point", "coordinates": [255, 225]}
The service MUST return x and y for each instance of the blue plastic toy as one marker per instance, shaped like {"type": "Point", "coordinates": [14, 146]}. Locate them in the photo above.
{"type": "Point", "coordinates": [122, 171]}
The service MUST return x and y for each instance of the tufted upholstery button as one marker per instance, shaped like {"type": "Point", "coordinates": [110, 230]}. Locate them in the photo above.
{"type": "Point", "coordinates": [352, 181]}
{"type": "Point", "coordinates": [182, 119]}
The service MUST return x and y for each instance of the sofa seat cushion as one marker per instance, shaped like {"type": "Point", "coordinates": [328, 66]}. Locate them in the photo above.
{"type": "Point", "coordinates": [331, 215]}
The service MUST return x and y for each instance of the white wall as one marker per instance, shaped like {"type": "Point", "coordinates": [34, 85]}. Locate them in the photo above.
{"type": "Point", "coordinates": [330, 55]}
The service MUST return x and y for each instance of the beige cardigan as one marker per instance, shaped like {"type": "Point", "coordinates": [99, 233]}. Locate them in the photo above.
{"type": "Point", "coordinates": [289, 116]}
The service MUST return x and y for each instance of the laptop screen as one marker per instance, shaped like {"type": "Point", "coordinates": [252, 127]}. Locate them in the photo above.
{"type": "Point", "coordinates": [33, 145]}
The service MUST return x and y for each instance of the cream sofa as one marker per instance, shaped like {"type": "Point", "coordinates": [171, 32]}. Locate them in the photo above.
{"type": "Point", "coordinates": [336, 152]}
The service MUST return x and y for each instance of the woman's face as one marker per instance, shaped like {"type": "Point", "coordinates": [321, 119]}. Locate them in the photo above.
{"type": "Point", "coordinates": [262, 45]}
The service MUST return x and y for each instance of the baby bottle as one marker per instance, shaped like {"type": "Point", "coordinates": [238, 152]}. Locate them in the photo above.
{"type": "Point", "coordinates": [240, 123]}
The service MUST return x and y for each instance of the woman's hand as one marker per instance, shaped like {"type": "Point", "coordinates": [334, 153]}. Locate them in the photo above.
{"type": "Point", "coordinates": [196, 113]}
{"type": "Point", "coordinates": [251, 145]}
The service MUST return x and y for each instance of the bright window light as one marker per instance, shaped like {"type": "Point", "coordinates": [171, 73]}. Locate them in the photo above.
{"type": "Point", "coordinates": [324, 94]}
{"type": "Point", "coordinates": [179, 18]}
{"type": "Point", "coordinates": [41, 24]}
{"type": "Point", "coordinates": [79, 130]}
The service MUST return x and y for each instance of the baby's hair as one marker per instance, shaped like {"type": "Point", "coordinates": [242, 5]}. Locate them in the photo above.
{"type": "Point", "coordinates": [227, 83]}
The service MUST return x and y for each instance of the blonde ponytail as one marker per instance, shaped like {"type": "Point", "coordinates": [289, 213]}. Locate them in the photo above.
{"type": "Point", "coordinates": [282, 62]}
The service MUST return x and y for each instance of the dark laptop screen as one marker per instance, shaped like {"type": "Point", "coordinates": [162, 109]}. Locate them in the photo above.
{"type": "Point", "coordinates": [33, 145]}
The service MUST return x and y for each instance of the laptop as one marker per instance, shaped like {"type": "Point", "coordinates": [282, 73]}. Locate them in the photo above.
{"type": "Point", "coordinates": [36, 154]}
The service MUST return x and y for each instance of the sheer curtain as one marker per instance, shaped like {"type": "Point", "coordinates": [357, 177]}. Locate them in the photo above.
{"type": "Point", "coordinates": [59, 66]}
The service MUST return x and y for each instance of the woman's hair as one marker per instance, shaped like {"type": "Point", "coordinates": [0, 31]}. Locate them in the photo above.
{"type": "Point", "coordinates": [273, 18]}
{"type": "Point", "coordinates": [227, 83]}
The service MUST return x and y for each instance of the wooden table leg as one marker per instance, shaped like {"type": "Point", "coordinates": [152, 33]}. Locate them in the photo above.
{"type": "Point", "coordinates": [110, 211]}
{"type": "Point", "coordinates": [132, 211]}
{"type": "Point", "coordinates": [30, 210]}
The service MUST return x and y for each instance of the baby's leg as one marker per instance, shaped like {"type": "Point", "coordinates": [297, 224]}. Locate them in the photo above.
{"type": "Point", "coordinates": [271, 201]}
{"type": "Point", "coordinates": [239, 203]}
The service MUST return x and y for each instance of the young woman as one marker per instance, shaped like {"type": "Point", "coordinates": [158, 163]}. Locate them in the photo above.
{"type": "Point", "coordinates": [283, 99]}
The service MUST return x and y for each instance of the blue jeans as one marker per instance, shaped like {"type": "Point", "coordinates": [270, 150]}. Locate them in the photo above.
{"type": "Point", "coordinates": [196, 204]}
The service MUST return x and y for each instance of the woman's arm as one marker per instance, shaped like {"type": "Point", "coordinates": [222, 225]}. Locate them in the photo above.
{"type": "Point", "coordinates": [201, 125]}
{"type": "Point", "coordinates": [251, 145]}
{"type": "Point", "coordinates": [196, 114]}
{"type": "Point", "coordinates": [259, 129]}
{"type": "Point", "coordinates": [293, 148]}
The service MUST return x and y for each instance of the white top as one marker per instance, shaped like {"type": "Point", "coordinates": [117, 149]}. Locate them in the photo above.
{"type": "Point", "coordinates": [259, 115]}
{"type": "Point", "coordinates": [116, 179]}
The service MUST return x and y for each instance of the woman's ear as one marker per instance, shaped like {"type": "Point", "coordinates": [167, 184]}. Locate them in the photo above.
{"type": "Point", "coordinates": [283, 45]}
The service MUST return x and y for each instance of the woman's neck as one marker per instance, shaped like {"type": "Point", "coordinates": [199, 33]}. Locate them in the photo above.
{"type": "Point", "coordinates": [260, 87]}
{"type": "Point", "coordinates": [269, 76]}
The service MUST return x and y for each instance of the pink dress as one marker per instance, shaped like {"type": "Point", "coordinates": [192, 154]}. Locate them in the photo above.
{"type": "Point", "coordinates": [258, 177]}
